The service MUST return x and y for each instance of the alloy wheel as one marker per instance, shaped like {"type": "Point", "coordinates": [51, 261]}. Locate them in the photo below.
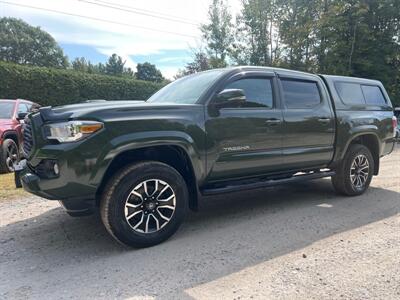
{"type": "Point", "coordinates": [150, 206]}
{"type": "Point", "coordinates": [11, 156]}
{"type": "Point", "coordinates": [359, 171]}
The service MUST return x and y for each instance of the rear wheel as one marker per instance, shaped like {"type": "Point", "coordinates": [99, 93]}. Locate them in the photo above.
{"type": "Point", "coordinates": [9, 155]}
{"type": "Point", "coordinates": [144, 204]}
{"type": "Point", "coordinates": [355, 173]}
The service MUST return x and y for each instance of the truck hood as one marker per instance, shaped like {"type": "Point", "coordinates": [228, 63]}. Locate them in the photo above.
{"type": "Point", "coordinates": [95, 109]}
{"type": "Point", "coordinates": [6, 122]}
{"type": "Point", "coordinates": [96, 105]}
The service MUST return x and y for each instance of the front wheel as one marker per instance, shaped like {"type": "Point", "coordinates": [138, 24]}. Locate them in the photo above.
{"type": "Point", "coordinates": [9, 155]}
{"type": "Point", "coordinates": [355, 172]}
{"type": "Point", "coordinates": [144, 204]}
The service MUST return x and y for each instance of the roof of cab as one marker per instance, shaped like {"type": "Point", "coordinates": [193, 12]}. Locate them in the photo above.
{"type": "Point", "coordinates": [271, 69]}
{"type": "Point", "coordinates": [331, 77]}
{"type": "Point", "coordinates": [350, 79]}
{"type": "Point", "coordinates": [16, 100]}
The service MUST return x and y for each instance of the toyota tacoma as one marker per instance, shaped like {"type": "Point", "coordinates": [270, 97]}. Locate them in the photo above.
{"type": "Point", "coordinates": [144, 163]}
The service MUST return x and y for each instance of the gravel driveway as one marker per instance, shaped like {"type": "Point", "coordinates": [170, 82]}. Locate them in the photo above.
{"type": "Point", "coordinates": [292, 242]}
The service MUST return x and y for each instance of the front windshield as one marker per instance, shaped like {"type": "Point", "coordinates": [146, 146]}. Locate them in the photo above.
{"type": "Point", "coordinates": [186, 90]}
{"type": "Point", "coordinates": [6, 109]}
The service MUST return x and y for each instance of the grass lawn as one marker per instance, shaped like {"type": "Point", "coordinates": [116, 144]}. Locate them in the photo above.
{"type": "Point", "coordinates": [7, 187]}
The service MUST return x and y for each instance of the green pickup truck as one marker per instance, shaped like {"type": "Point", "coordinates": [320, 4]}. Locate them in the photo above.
{"type": "Point", "coordinates": [144, 163]}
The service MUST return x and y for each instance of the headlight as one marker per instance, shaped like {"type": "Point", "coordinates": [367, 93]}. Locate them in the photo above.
{"type": "Point", "coordinates": [71, 131]}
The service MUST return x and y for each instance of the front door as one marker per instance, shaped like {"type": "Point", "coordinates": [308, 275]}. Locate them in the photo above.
{"type": "Point", "coordinates": [246, 140]}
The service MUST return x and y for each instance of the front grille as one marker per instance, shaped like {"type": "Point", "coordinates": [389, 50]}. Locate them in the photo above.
{"type": "Point", "coordinates": [27, 138]}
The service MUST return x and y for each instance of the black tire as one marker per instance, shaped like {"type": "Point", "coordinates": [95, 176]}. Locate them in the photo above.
{"type": "Point", "coordinates": [119, 191]}
{"type": "Point", "coordinates": [343, 180]}
{"type": "Point", "coordinates": [9, 153]}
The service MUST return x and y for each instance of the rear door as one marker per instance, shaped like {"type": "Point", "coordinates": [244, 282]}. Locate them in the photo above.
{"type": "Point", "coordinates": [308, 122]}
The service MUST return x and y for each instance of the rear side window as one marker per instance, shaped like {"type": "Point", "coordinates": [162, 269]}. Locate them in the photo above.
{"type": "Point", "coordinates": [350, 93]}
{"type": "Point", "coordinates": [373, 95]}
{"type": "Point", "coordinates": [300, 94]}
{"type": "Point", "coordinates": [258, 91]}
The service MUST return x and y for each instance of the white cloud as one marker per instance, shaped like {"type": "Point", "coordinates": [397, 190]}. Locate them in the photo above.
{"type": "Point", "coordinates": [172, 59]}
{"type": "Point", "coordinates": [169, 72]}
{"type": "Point", "coordinates": [108, 38]}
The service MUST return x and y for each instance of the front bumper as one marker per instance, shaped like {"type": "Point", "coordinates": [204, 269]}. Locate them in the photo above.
{"type": "Point", "coordinates": [62, 187]}
{"type": "Point", "coordinates": [32, 183]}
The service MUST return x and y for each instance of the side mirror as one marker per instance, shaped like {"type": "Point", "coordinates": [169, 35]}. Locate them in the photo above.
{"type": "Point", "coordinates": [230, 97]}
{"type": "Point", "coordinates": [21, 116]}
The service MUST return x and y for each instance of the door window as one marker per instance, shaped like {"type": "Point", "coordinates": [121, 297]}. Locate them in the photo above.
{"type": "Point", "coordinates": [258, 91]}
{"type": "Point", "coordinates": [300, 94]}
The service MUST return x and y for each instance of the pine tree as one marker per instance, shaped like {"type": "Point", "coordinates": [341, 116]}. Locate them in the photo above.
{"type": "Point", "coordinates": [115, 65]}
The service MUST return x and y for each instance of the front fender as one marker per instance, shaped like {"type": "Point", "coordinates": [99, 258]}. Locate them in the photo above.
{"type": "Point", "coordinates": [141, 140]}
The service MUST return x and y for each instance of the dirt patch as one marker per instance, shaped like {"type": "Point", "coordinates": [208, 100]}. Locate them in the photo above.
{"type": "Point", "coordinates": [7, 188]}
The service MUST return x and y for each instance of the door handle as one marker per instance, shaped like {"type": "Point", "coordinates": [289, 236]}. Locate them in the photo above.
{"type": "Point", "coordinates": [324, 120]}
{"type": "Point", "coordinates": [273, 122]}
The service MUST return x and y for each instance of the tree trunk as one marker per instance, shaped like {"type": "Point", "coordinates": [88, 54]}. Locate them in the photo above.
{"type": "Point", "coordinates": [353, 41]}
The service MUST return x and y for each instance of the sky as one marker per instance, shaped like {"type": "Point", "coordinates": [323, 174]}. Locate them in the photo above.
{"type": "Point", "coordinates": [161, 32]}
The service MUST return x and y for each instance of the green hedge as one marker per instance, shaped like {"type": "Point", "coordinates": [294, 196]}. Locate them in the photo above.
{"type": "Point", "coordinates": [48, 86]}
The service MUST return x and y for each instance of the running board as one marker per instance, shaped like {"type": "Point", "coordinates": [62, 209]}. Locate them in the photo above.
{"type": "Point", "coordinates": [263, 184]}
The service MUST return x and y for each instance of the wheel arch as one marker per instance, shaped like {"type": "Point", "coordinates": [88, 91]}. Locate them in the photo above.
{"type": "Point", "coordinates": [173, 155]}
{"type": "Point", "coordinates": [371, 141]}
{"type": "Point", "coordinates": [11, 134]}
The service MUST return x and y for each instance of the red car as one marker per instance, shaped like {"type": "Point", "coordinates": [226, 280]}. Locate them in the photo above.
{"type": "Point", "coordinates": [10, 131]}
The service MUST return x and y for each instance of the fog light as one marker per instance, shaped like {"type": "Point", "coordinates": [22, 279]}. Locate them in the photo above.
{"type": "Point", "coordinates": [56, 169]}
{"type": "Point", "coordinates": [48, 168]}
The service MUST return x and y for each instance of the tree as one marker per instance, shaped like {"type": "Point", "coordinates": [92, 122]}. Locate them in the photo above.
{"type": "Point", "coordinates": [361, 39]}
{"type": "Point", "coordinates": [80, 64]}
{"type": "Point", "coordinates": [218, 33]}
{"type": "Point", "coordinates": [342, 37]}
{"type": "Point", "coordinates": [149, 72]}
{"type": "Point", "coordinates": [298, 33]}
{"type": "Point", "coordinates": [128, 72]}
{"type": "Point", "coordinates": [99, 68]}
{"type": "Point", "coordinates": [253, 33]}
{"type": "Point", "coordinates": [24, 44]}
{"type": "Point", "coordinates": [115, 65]}
{"type": "Point", "coordinates": [200, 63]}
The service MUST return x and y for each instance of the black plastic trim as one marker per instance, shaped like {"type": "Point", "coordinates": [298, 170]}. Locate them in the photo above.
{"type": "Point", "coordinates": [48, 114]}
{"type": "Point", "coordinates": [263, 184]}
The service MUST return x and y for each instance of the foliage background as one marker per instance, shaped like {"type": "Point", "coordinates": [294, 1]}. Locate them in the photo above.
{"type": "Point", "coordinates": [359, 38]}
{"type": "Point", "coordinates": [48, 86]}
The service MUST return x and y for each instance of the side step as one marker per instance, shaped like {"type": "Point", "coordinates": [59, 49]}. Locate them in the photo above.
{"type": "Point", "coordinates": [262, 184]}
